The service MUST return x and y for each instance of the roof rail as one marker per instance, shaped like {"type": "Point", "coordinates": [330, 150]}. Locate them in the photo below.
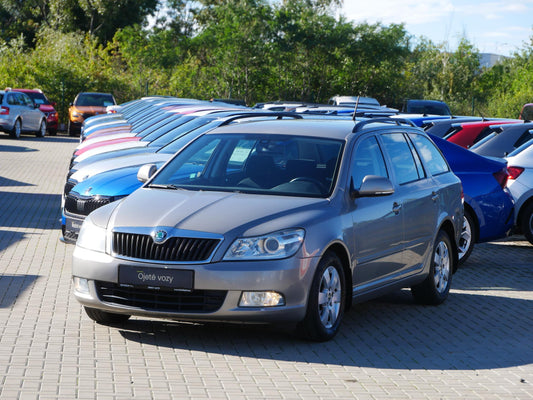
{"type": "Point", "coordinates": [395, 121]}
{"type": "Point", "coordinates": [252, 114]}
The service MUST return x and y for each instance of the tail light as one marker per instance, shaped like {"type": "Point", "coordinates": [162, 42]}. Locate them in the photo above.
{"type": "Point", "coordinates": [4, 110]}
{"type": "Point", "coordinates": [501, 177]}
{"type": "Point", "coordinates": [514, 172]}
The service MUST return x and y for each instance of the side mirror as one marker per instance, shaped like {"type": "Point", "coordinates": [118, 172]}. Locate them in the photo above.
{"type": "Point", "coordinates": [146, 172]}
{"type": "Point", "coordinates": [53, 104]}
{"type": "Point", "coordinates": [372, 186]}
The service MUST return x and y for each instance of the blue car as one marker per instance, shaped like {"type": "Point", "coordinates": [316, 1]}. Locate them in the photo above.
{"type": "Point", "coordinates": [489, 206]}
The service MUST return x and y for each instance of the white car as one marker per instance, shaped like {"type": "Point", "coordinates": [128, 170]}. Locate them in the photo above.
{"type": "Point", "coordinates": [520, 184]}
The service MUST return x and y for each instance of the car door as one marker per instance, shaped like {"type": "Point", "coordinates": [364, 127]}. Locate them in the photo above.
{"type": "Point", "coordinates": [377, 221]}
{"type": "Point", "coordinates": [32, 115]}
{"type": "Point", "coordinates": [417, 198]}
{"type": "Point", "coordinates": [15, 109]}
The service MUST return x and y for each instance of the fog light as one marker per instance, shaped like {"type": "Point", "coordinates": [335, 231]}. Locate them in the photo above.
{"type": "Point", "coordinates": [261, 299]}
{"type": "Point", "coordinates": [81, 285]}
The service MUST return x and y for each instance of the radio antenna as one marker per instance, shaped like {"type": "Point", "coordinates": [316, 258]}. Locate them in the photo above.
{"type": "Point", "coordinates": [355, 110]}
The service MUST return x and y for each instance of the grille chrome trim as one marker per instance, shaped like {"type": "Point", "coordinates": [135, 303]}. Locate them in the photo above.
{"type": "Point", "coordinates": [81, 205]}
{"type": "Point", "coordinates": [180, 247]}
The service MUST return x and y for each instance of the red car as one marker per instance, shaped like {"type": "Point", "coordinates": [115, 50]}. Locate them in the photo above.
{"type": "Point", "coordinates": [468, 133]}
{"type": "Point", "coordinates": [46, 106]}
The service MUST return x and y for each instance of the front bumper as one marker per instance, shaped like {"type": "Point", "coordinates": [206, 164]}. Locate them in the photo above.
{"type": "Point", "coordinates": [290, 277]}
{"type": "Point", "coordinates": [71, 227]}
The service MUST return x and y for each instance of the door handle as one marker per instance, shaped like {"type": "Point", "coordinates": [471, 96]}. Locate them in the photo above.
{"type": "Point", "coordinates": [396, 208]}
{"type": "Point", "coordinates": [434, 196]}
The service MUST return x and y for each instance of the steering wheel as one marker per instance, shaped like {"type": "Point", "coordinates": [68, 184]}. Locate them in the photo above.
{"type": "Point", "coordinates": [314, 181]}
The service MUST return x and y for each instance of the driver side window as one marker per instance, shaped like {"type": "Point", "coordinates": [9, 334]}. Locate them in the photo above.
{"type": "Point", "coordinates": [367, 160]}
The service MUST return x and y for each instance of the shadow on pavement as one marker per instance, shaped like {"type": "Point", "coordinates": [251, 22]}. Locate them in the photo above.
{"type": "Point", "coordinates": [11, 182]}
{"type": "Point", "coordinates": [30, 210]}
{"type": "Point", "coordinates": [15, 149]}
{"type": "Point", "coordinates": [12, 286]}
{"type": "Point", "coordinates": [391, 332]}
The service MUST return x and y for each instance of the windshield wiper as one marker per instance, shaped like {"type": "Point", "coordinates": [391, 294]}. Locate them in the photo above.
{"type": "Point", "coordinates": [167, 186]}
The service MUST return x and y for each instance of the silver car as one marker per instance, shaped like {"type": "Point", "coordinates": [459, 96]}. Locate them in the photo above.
{"type": "Point", "coordinates": [19, 114]}
{"type": "Point", "coordinates": [276, 221]}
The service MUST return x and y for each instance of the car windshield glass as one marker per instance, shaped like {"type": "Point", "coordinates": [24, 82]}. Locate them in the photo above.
{"type": "Point", "coordinates": [521, 148]}
{"type": "Point", "coordinates": [253, 163]}
{"type": "Point", "coordinates": [169, 140]}
{"type": "Point", "coordinates": [93, 99]}
{"type": "Point", "coordinates": [484, 140]}
{"type": "Point", "coordinates": [38, 98]}
{"type": "Point", "coordinates": [165, 127]}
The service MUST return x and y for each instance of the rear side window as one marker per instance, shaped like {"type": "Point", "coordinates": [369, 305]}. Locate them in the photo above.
{"type": "Point", "coordinates": [433, 159]}
{"type": "Point", "coordinates": [12, 100]}
{"type": "Point", "coordinates": [406, 168]}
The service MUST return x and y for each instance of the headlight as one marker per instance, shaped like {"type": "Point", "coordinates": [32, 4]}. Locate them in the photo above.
{"type": "Point", "coordinates": [91, 237]}
{"type": "Point", "coordinates": [275, 245]}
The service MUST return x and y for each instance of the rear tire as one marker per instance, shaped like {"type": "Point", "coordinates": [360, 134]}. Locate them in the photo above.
{"type": "Point", "coordinates": [104, 317]}
{"type": "Point", "coordinates": [468, 238]}
{"type": "Point", "coordinates": [526, 223]}
{"type": "Point", "coordinates": [434, 290]}
{"type": "Point", "coordinates": [327, 300]}
{"type": "Point", "coordinates": [70, 130]}
{"type": "Point", "coordinates": [17, 129]}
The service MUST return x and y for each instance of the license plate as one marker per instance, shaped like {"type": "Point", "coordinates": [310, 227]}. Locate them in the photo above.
{"type": "Point", "coordinates": [73, 225]}
{"type": "Point", "coordinates": [156, 278]}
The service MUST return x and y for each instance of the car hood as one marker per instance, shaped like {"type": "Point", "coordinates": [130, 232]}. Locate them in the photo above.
{"type": "Point", "coordinates": [119, 182]}
{"type": "Point", "coordinates": [91, 109]}
{"type": "Point", "coordinates": [226, 213]}
{"type": "Point", "coordinates": [110, 164]}
{"type": "Point", "coordinates": [46, 108]}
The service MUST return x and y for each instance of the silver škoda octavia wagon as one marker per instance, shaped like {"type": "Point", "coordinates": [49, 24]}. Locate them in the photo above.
{"type": "Point", "coordinates": [276, 221]}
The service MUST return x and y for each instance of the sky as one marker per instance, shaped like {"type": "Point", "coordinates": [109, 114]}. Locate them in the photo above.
{"type": "Point", "coordinates": [499, 26]}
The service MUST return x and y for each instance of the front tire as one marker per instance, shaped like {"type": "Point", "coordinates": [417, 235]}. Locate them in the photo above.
{"type": "Point", "coordinates": [435, 288]}
{"type": "Point", "coordinates": [70, 130]}
{"type": "Point", "coordinates": [526, 223]}
{"type": "Point", "coordinates": [104, 317]}
{"type": "Point", "coordinates": [42, 130]}
{"type": "Point", "coordinates": [327, 300]}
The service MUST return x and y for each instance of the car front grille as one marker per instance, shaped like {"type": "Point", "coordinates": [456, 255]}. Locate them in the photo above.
{"type": "Point", "coordinates": [176, 249]}
{"type": "Point", "coordinates": [196, 301]}
{"type": "Point", "coordinates": [75, 204]}
{"type": "Point", "coordinates": [68, 187]}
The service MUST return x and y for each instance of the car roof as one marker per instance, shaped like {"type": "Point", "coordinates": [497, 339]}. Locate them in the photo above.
{"type": "Point", "coordinates": [93, 93]}
{"type": "Point", "coordinates": [28, 90]}
{"type": "Point", "coordinates": [319, 128]}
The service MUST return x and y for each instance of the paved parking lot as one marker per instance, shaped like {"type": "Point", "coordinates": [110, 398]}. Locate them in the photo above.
{"type": "Point", "coordinates": [478, 345]}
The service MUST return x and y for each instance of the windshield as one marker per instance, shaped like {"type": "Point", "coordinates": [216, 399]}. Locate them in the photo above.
{"type": "Point", "coordinates": [95, 99]}
{"type": "Point", "coordinates": [38, 98]}
{"type": "Point", "coordinates": [266, 164]}
{"type": "Point", "coordinates": [521, 148]}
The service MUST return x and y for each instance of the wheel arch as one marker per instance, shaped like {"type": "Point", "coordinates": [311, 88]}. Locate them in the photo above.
{"type": "Point", "coordinates": [520, 214]}
{"type": "Point", "coordinates": [447, 226]}
{"type": "Point", "coordinates": [340, 251]}
{"type": "Point", "coordinates": [472, 213]}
